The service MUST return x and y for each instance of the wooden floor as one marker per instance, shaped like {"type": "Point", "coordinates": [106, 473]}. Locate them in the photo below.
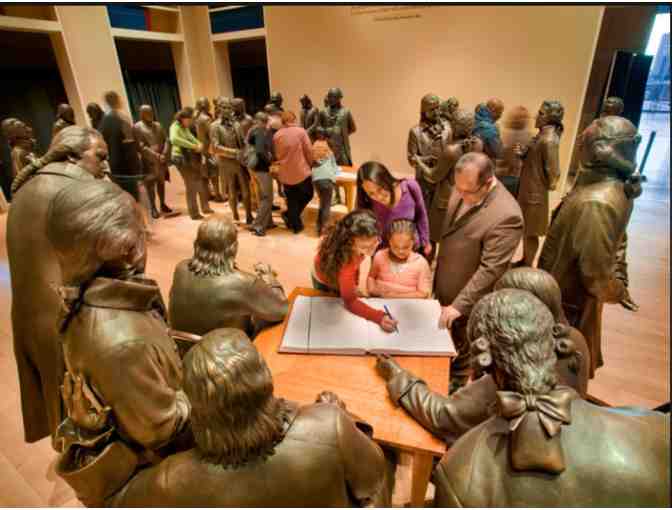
{"type": "Point", "coordinates": [636, 347]}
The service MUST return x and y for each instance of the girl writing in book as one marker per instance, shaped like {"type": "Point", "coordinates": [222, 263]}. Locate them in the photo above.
{"type": "Point", "coordinates": [391, 199]}
{"type": "Point", "coordinates": [398, 271]}
{"type": "Point", "coordinates": [343, 248]}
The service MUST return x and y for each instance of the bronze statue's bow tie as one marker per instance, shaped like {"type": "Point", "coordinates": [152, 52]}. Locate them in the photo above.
{"type": "Point", "coordinates": [553, 409]}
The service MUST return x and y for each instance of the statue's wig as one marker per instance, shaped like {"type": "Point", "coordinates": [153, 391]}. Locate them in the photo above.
{"type": "Point", "coordinates": [518, 328]}
{"type": "Point", "coordinates": [234, 416]}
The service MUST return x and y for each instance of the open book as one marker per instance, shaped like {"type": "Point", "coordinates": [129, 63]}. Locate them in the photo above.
{"type": "Point", "coordinates": [322, 325]}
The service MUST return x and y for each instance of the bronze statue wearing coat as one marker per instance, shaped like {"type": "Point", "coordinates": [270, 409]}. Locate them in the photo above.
{"type": "Point", "coordinates": [76, 154]}
{"type": "Point", "coordinates": [201, 126]}
{"type": "Point", "coordinates": [226, 144]}
{"type": "Point", "coordinates": [339, 124]}
{"type": "Point", "coordinates": [114, 335]}
{"type": "Point", "coordinates": [252, 449]}
{"type": "Point", "coordinates": [546, 446]}
{"type": "Point", "coordinates": [210, 292]}
{"type": "Point", "coordinates": [449, 417]}
{"type": "Point", "coordinates": [481, 231]}
{"type": "Point", "coordinates": [155, 153]}
{"type": "Point", "coordinates": [441, 175]}
{"type": "Point", "coordinates": [426, 142]}
{"type": "Point", "coordinates": [241, 116]}
{"type": "Point", "coordinates": [587, 234]}
{"type": "Point", "coordinates": [540, 175]}
{"type": "Point", "coordinates": [65, 117]}
{"type": "Point", "coordinates": [21, 142]}
{"type": "Point", "coordinates": [310, 117]}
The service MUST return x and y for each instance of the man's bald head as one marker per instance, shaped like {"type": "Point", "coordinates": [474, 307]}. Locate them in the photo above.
{"type": "Point", "coordinates": [476, 165]}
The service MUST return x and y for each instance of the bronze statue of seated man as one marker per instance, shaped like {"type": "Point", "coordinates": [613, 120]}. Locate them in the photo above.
{"type": "Point", "coordinates": [448, 417]}
{"type": "Point", "coordinates": [210, 292]}
{"type": "Point", "coordinates": [546, 446]}
{"type": "Point", "coordinates": [252, 449]}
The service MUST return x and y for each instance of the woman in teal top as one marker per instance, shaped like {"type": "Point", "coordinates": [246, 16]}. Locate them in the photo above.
{"type": "Point", "coordinates": [184, 155]}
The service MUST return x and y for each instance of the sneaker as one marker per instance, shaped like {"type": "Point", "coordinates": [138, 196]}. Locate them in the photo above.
{"type": "Point", "coordinates": [165, 209]}
{"type": "Point", "coordinates": [259, 232]}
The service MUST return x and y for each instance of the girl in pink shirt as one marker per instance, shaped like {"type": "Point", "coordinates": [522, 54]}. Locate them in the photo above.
{"type": "Point", "coordinates": [398, 271]}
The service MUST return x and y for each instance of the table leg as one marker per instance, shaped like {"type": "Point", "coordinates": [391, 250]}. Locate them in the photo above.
{"type": "Point", "coordinates": [422, 471]}
{"type": "Point", "coordinates": [350, 192]}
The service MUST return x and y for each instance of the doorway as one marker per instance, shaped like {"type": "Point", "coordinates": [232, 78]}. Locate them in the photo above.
{"type": "Point", "coordinates": [249, 72]}
{"type": "Point", "coordinates": [654, 125]}
{"type": "Point", "coordinates": [149, 77]}
{"type": "Point", "coordinates": [31, 88]}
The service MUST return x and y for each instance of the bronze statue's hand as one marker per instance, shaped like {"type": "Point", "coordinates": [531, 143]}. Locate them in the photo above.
{"type": "Point", "coordinates": [330, 397]}
{"type": "Point", "coordinates": [386, 367]}
{"type": "Point", "coordinates": [263, 269]}
{"type": "Point", "coordinates": [518, 150]}
{"type": "Point", "coordinates": [80, 409]}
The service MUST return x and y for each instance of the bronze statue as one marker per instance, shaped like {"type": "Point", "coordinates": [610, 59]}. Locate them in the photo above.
{"type": "Point", "coordinates": [274, 104]}
{"type": "Point", "coordinates": [540, 175]}
{"type": "Point", "coordinates": [76, 154]}
{"type": "Point", "coordinates": [241, 116]}
{"type": "Point", "coordinates": [226, 143]}
{"type": "Point", "coordinates": [449, 417]}
{"type": "Point", "coordinates": [310, 117]}
{"type": "Point", "coordinates": [155, 151]}
{"type": "Point", "coordinates": [586, 238]}
{"type": "Point", "coordinates": [96, 114]}
{"type": "Point", "coordinates": [612, 106]}
{"type": "Point", "coordinates": [426, 142]}
{"type": "Point", "coordinates": [546, 446]}
{"type": "Point", "coordinates": [65, 116]}
{"type": "Point", "coordinates": [448, 109]}
{"type": "Point", "coordinates": [441, 175]}
{"type": "Point", "coordinates": [113, 332]}
{"type": "Point", "coordinates": [201, 127]}
{"type": "Point", "coordinates": [21, 142]}
{"type": "Point", "coordinates": [252, 449]}
{"type": "Point", "coordinates": [339, 125]}
{"type": "Point", "coordinates": [210, 292]}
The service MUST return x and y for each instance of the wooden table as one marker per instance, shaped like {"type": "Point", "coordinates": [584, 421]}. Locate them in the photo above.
{"type": "Point", "coordinates": [300, 377]}
{"type": "Point", "coordinates": [347, 180]}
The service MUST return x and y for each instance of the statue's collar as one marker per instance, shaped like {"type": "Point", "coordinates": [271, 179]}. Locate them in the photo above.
{"type": "Point", "coordinates": [65, 169]}
{"type": "Point", "coordinates": [138, 294]}
{"type": "Point", "coordinates": [592, 175]}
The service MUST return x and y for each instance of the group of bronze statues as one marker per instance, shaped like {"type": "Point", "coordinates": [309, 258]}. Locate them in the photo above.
{"type": "Point", "coordinates": [149, 405]}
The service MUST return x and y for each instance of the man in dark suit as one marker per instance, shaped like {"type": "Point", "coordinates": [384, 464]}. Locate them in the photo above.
{"type": "Point", "coordinates": [117, 130]}
{"type": "Point", "coordinates": [481, 231]}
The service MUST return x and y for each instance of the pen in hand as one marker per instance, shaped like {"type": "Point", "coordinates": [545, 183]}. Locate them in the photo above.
{"type": "Point", "coordinates": [387, 311]}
